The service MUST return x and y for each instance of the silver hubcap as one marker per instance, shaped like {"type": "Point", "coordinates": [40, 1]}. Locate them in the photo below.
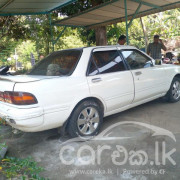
{"type": "Point", "coordinates": [176, 90]}
{"type": "Point", "coordinates": [88, 120]}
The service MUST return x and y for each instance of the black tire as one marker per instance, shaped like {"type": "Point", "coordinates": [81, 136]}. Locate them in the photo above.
{"type": "Point", "coordinates": [170, 96]}
{"type": "Point", "coordinates": [73, 128]}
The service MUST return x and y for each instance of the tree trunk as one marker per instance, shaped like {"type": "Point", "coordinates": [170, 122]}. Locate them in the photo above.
{"type": "Point", "coordinates": [145, 33]}
{"type": "Point", "coordinates": [47, 46]}
{"type": "Point", "coordinates": [101, 37]}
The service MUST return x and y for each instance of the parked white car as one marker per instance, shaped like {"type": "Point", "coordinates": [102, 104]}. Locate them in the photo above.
{"type": "Point", "coordinates": [76, 88]}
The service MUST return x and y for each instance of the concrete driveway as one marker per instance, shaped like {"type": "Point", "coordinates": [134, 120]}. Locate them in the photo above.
{"type": "Point", "coordinates": [129, 141]}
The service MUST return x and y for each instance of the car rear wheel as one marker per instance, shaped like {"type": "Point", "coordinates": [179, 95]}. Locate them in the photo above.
{"type": "Point", "coordinates": [173, 94]}
{"type": "Point", "coordinates": [85, 120]}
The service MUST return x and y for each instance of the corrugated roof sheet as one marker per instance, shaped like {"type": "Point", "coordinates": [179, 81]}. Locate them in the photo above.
{"type": "Point", "coordinates": [28, 7]}
{"type": "Point", "coordinates": [114, 11]}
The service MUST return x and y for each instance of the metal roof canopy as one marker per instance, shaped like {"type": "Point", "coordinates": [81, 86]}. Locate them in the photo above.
{"type": "Point", "coordinates": [115, 11]}
{"type": "Point", "coordinates": [31, 7]}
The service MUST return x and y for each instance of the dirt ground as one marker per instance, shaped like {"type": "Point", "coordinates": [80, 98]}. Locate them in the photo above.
{"type": "Point", "coordinates": [47, 147]}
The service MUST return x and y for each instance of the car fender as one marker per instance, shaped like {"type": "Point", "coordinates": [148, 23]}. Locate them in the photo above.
{"type": "Point", "coordinates": [171, 72]}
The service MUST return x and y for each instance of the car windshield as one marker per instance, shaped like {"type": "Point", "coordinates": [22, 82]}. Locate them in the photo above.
{"type": "Point", "coordinates": [60, 63]}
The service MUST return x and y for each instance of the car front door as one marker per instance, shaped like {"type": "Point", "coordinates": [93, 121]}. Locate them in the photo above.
{"type": "Point", "coordinates": [149, 79]}
{"type": "Point", "coordinates": [109, 79]}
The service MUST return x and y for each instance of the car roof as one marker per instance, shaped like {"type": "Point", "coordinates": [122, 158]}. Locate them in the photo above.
{"type": "Point", "coordinates": [96, 47]}
{"type": "Point", "coordinates": [111, 46]}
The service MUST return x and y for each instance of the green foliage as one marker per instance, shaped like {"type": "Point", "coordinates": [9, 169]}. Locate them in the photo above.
{"type": "Point", "coordinates": [24, 51]}
{"type": "Point", "coordinates": [1, 144]}
{"type": "Point", "coordinates": [79, 6]}
{"type": "Point", "coordinates": [40, 41]}
{"type": "Point", "coordinates": [27, 168]}
{"type": "Point", "coordinates": [40, 32]}
{"type": "Point", "coordinates": [34, 35]}
{"type": "Point", "coordinates": [87, 36]}
{"type": "Point", "coordinates": [70, 41]}
{"type": "Point", "coordinates": [12, 32]}
{"type": "Point", "coordinates": [42, 35]}
{"type": "Point", "coordinates": [166, 24]}
{"type": "Point", "coordinates": [114, 31]}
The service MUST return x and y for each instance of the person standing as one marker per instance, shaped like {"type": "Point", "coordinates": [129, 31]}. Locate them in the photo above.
{"type": "Point", "coordinates": [154, 49]}
{"type": "Point", "coordinates": [122, 40]}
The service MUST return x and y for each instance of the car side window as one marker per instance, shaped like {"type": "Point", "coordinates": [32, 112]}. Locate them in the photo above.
{"type": "Point", "coordinates": [136, 59]}
{"type": "Point", "coordinates": [105, 62]}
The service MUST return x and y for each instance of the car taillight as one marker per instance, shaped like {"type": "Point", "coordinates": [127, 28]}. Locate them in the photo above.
{"type": "Point", "coordinates": [18, 98]}
{"type": "Point", "coordinates": [1, 96]}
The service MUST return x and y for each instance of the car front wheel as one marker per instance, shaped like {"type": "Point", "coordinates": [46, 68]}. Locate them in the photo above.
{"type": "Point", "coordinates": [85, 120]}
{"type": "Point", "coordinates": [173, 94]}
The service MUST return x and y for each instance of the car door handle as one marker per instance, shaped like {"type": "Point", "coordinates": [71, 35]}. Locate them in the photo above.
{"type": "Point", "coordinates": [95, 80]}
{"type": "Point", "coordinates": [138, 73]}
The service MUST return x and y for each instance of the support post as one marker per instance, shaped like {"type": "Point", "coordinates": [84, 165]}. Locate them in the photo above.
{"type": "Point", "coordinates": [126, 16]}
{"type": "Point", "coordinates": [134, 16]}
{"type": "Point", "coordinates": [55, 41]}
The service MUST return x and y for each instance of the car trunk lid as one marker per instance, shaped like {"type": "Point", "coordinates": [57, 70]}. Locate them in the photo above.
{"type": "Point", "coordinates": [6, 85]}
{"type": "Point", "coordinates": [7, 82]}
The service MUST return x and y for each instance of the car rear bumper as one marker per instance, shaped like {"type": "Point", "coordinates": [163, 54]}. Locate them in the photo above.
{"type": "Point", "coordinates": [22, 119]}
{"type": "Point", "coordinates": [33, 119]}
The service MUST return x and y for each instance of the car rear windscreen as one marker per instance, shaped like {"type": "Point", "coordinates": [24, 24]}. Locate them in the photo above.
{"type": "Point", "coordinates": [60, 63]}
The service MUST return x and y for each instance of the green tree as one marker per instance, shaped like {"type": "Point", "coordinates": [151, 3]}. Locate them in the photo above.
{"type": "Point", "coordinates": [42, 34]}
{"type": "Point", "coordinates": [98, 35]}
{"type": "Point", "coordinates": [12, 31]}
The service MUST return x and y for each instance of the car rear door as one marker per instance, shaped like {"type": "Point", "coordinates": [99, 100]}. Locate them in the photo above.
{"type": "Point", "coordinates": [149, 79]}
{"type": "Point", "coordinates": [109, 79]}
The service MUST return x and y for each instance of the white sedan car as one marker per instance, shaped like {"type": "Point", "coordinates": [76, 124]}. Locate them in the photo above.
{"type": "Point", "coordinates": [76, 88]}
